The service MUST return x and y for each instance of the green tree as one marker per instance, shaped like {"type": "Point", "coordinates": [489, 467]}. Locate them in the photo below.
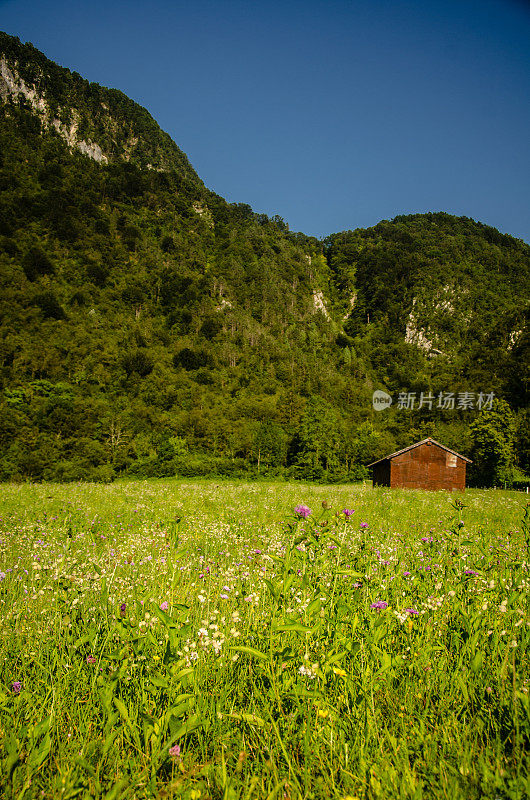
{"type": "Point", "coordinates": [36, 263]}
{"type": "Point", "coordinates": [493, 435]}
{"type": "Point", "coordinates": [270, 445]}
{"type": "Point", "coordinates": [319, 442]}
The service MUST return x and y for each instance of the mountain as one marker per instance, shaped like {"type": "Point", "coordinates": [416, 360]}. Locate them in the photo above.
{"type": "Point", "coordinates": [149, 327]}
{"type": "Point", "coordinates": [455, 289]}
{"type": "Point", "coordinates": [104, 124]}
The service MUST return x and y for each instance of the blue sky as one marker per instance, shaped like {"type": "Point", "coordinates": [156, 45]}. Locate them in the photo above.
{"type": "Point", "coordinates": [332, 114]}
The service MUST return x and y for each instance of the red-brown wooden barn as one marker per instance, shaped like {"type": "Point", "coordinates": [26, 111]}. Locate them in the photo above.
{"type": "Point", "coordinates": [424, 465]}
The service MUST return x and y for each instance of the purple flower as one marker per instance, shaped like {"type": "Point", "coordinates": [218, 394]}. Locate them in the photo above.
{"type": "Point", "coordinates": [406, 574]}
{"type": "Point", "coordinates": [348, 512]}
{"type": "Point", "coordinates": [379, 605]}
{"type": "Point", "coordinates": [302, 511]}
{"type": "Point", "coordinates": [410, 611]}
{"type": "Point", "coordinates": [90, 660]}
{"type": "Point", "coordinates": [364, 524]}
{"type": "Point", "coordinates": [164, 606]}
{"type": "Point", "coordinates": [174, 751]}
{"type": "Point", "coordinates": [123, 608]}
{"type": "Point", "coordinates": [16, 686]}
{"type": "Point", "coordinates": [470, 572]}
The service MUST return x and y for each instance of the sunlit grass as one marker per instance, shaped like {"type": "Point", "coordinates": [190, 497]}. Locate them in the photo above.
{"type": "Point", "coordinates": [165, 638]}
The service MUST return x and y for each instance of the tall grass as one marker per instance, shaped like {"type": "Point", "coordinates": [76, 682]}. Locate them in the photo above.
{"type": "Point", "coordinates": [201, 639]}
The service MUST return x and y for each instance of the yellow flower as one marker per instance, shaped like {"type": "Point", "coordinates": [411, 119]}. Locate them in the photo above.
{"type": "Point", "coordinates": [323, 712]}
{"type": "Point", "coordinates": [195, 794]}
{"type": "Point", "coordinates": [340, 672]}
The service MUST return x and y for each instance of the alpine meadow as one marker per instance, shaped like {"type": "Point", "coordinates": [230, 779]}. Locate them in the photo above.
{"type": "Point", "coordinates": [201, 593]}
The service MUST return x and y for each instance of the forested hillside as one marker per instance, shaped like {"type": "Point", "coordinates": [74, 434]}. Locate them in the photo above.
{"type": "Point", "coordinates": [148, 327]}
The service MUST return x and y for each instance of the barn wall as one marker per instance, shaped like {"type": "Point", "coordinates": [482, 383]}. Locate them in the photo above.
{"type": "Point", "coordinates": [428, 467]}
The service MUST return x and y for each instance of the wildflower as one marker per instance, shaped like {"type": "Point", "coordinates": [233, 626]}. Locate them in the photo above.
{"type": "Point", "coordinates": [340, 672]}
{"type": "Point", "coordinates": [303, 511]}
{"type": "Point", "coordinates": [309, 670]}
{"type": "Point", "coordinates": [364, 524]}
{"type": "Point", "coordinates": [410, 611]}
{"type": "Point", "coordinates": [16, 686]}
{"type": "Point", "coordinates": [348, 512]}
{"type": "Point", "coordinates": [123, 608]}
{"type": "Point", "coordinates": [379, 605]}
{"type": "Point", "coordinates": [90, 660]}
{"type": "Point", "coordinates": [164, 606]}
{"type": "Point", "coordinates": [174, 751]}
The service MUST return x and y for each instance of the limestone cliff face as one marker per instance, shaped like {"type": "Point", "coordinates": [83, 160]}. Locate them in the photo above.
{"type": "Point", "coordinates": [13, 88]}
{"type": "Point", "coordinates": [102, 123]}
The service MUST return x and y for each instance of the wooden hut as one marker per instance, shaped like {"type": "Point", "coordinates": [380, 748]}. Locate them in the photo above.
{"type": "Point", "coordinates": [424, 465]}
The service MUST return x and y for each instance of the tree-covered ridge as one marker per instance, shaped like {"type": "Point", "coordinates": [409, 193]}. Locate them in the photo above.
{"type": "Point", "coordinates": [458, 290]}
{"type": "Point", "coordinates": [91, 113]}
{"type": "Point", "coordinates": [149, 327]}
{"type": "Point", "coordinates": [137, 301]}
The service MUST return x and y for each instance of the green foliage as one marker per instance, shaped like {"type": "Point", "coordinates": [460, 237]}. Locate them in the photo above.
{"type": "Point", "coordinates": [319, 444]}
{"type": "Point", "coordinates": [453, 284]}
{"type": "Point", "coordinates": [493, 434]}
{"type": "Point", "coordinates": [138, 362]}
{"type": "Point", "coordinates": [49, 305]}
{"type": "Point", "coordinates": [35, 263]}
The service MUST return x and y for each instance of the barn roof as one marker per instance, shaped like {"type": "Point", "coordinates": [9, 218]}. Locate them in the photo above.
{"type": "Point", "coordinates": [429, 440]}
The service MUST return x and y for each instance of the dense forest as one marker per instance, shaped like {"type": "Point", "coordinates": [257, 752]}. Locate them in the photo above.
{"type": "Point", "coordinates": [150, 328]}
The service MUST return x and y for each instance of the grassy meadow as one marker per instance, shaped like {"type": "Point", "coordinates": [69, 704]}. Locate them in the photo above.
{"type": "Point", "coordinates": [202, 639]}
